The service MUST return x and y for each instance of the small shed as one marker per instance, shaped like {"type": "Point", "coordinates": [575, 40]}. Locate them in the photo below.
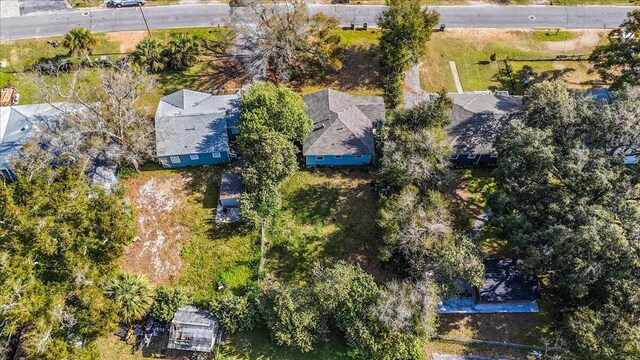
{"type": "Point", "coordinates": [506, 289]}
{"type": "Point", "coordinates": [230, 190]}
{"type": "Point", "coordinates": [192, 329]}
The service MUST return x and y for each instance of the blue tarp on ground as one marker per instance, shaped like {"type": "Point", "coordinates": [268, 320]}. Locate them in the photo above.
{"type": "Point", "coordinates": [469, 306]}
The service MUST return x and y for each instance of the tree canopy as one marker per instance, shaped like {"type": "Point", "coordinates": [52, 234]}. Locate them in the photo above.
{"type": "Point", "coordinates": [415, 218]}
{"type": "Point", "coordinates": [272, 121]}
{"type": "Point", "coordinates": [150, 55]}
{"type": "Point", "coordinates": [406, 28]}
{"type": "Point", "coordinates": [80, 41]}
{"type": "Point", "coordinates": [569, 206]}
{"type": "Point", "coordinates": [286, 41]}
{"type": "Point", "coordinates": [105, 121]}
{"type": "Point", "coordinates": [618, 61]}
{"type": "Point", "coordinates": [58, 239]}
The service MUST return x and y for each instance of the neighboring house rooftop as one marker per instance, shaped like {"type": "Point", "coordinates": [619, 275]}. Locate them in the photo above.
{"type": "Point", "coordinates": [504, 282]}
{"type": "Point", "coordinates": [477, 119]}
{"type": "Point", "coordinates": [230, 186]}
{"type": "Point", "coordinates": [342, 124]}
{"type": "Point", "coordinates": [192, 122]}
{"type": "Point", "coordinates": [192, 329]}
{"type": "Point", "coordinates": [19, 123]}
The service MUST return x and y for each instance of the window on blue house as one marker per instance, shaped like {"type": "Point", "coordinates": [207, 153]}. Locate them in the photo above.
{"type": "Point", "coordinates": [320, 158]}
{"type": "Point", "coordinates": [216, 155]}
{"type": "Point", "coordinates": [175, 159]}
{"type": "Point", "coordinates": [359, 156]}
{"type": "Point", "coordinates": [338, 156]}
{"type": "Point", "coordinates": [194, 157]}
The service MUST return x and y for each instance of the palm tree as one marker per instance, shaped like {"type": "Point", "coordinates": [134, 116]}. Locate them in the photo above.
{"type": "Point", "coordinates": [80, 41]}
{"type": "Point", "coordinates": [183, 50]}
{"type": "Point", "coordinates": [132, 294]}
{"type": "Point", "coordinates": [149, 54]}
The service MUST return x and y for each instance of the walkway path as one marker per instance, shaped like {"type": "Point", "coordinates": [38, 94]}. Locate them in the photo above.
{"type": "Point", "coordinates": [456, 77]}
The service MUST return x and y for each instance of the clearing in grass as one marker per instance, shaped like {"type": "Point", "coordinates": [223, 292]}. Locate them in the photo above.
{"type": "Point", "coordinates": [178, 242]}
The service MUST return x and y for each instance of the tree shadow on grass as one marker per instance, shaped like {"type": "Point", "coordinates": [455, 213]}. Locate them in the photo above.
{"type": "Point", "coordinates": [330, 218]}
{"type": "Point", "coordinates": [360, 69]}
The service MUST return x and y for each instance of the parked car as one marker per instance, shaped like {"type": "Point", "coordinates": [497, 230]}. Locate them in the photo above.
{"type": "Point", "coordinates": [121, 3]}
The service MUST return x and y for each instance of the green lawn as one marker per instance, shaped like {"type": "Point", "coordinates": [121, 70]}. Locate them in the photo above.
{"type": "Point", "coordinates": [527, 52]}
{"type": "Point", "coordinates": [21, 55]}
{"type": "Point", "coordinates": [327, 215]}
{"type": "Point", "coordinates": [258, 345]}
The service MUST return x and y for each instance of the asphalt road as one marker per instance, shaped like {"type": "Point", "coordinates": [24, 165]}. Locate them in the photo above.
{"type": "Point", "coordinates": [106, 20]}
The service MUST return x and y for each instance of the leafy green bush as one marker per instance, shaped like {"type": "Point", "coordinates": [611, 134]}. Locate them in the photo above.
{"type": "Point", "coordinates": [168, 300]}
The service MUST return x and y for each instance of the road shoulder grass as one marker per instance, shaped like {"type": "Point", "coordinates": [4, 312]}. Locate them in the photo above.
{"type": "Point", "coordinates": [539, 54]}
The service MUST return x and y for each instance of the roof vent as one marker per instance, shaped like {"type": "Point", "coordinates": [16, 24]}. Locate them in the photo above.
{"type": "Point", "coordinates": [192, 128]}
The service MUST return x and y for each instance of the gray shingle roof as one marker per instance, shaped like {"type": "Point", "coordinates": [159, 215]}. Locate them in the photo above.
{"type": "Point", "coordinates": [19, 123]}
{"type": "Point", "coordinates": [231, 186]}
{"type": "Point", "coordinates": [504, 282]}
{"type": "Point", "coordinates": [342, 124]}
{"type": "Point", "coordinates": [191, 122]}
{"type": "Point", "coordinates": [478, 118]}
{"type": "Point", "coordinates": [192, 329]}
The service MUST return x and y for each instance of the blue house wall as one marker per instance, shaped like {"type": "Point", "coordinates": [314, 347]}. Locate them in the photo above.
{"type": "Point", "coordinates": [203, 159]}
{"type": "Point", "coordinates": [344, 160]}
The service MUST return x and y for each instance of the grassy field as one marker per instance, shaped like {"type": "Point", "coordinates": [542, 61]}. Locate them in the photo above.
{"type": "Point", "coordinates": [531, 53]}
{"type": "Point", "coordinates": [178, 241]}
{"type": "Point", "coordinates": [327, 215]}
{"type": "Point", "coordinates": [258, 345]}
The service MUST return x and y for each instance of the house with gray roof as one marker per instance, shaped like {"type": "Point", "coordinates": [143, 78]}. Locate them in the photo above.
{"type": "Point", "coordinates": [19, 124]}
{"type": "Point", "coordinates": [192, 329]}
{"type": "Point", "coordinates": [477, 119]}
{"type": "Point", "coordinates": [343, 128]}
{"type": "Point", "coordinates": [193, 128]}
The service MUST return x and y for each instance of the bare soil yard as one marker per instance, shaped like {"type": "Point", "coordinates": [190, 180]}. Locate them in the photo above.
{"type": "Point", "coordinates": [178, 242]}
{"type": "Point", "coordinates": [128, 40]}
{"type": "Point", "coordinates": [157, 202]}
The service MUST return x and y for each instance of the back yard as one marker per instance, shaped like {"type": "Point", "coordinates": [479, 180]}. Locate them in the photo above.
{"type": "Point", "coordinates": [178, 242]}
{"type": "Point", "coordinates": [327, 215]}
{"type": "Point", "coordinates": [469, 194]}
{"type": "Point", "coordinates": [528, 53]}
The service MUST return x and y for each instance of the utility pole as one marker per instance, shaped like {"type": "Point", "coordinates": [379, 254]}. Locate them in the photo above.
{"type": "Point", "coordinates": [145, 19]}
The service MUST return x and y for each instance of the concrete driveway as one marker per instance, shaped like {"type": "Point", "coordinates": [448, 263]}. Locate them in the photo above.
{"type": "Point", "coordinates": [33, 6]}
{"type": "Point", "coordinates": [9, 8]}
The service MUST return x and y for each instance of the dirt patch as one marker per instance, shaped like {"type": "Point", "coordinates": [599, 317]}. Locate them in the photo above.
{"type": "Point", "coordinates": [583, 40]}
{"type": "Point", "coordinates": [157, 202]}
{"type": "Point", "coordinates": [127, 39]}
{"type": "Point", "coordinates": [483, 37]}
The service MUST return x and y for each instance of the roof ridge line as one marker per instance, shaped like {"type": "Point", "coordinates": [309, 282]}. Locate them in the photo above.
{"type": "Point", "coordinates": [350, 129]}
